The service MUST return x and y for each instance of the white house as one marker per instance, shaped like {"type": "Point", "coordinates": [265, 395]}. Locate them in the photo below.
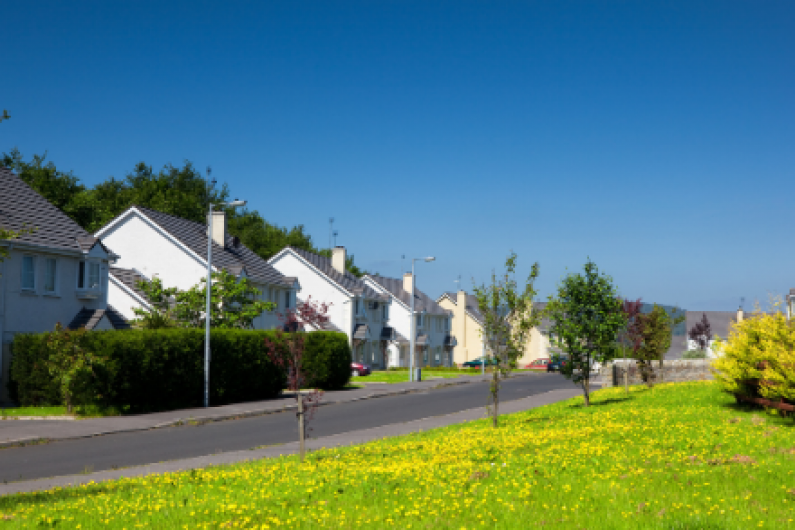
{"type": "Point", "coordinates": [152, 243]}
{"type": "Point", "coordinates": [57, 273]}
{"type": "Point", "coordinates": [433, 342]}
{"type": "Point", "coordinates": [355, 309]}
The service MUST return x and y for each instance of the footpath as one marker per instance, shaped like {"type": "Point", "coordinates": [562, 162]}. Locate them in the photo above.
{"type": "Point", "coordinates": [349, 438]}
{"type": "Point", "coordinates": [14, 432]}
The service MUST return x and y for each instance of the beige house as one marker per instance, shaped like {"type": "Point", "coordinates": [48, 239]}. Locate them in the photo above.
{"type": "Point", "coordinates": [467, 330]}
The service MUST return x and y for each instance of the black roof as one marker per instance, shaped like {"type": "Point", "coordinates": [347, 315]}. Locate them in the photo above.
{"type": "Point", "coordinates": [233, 257]}
{"type": "Point", "coordinates": [347, 281]}
{"type": "Point", "coordinates": [89, 318]}
{"type": "Point", "coordinates": [422, 302]}
{"type": "Point", "coordinates": [22, 206]}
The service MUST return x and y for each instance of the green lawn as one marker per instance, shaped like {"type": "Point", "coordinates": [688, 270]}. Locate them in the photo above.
{"type": "Point", "coordinates": [680, 456]}
{"type": "Point", "coordinates": [33, 411]}
{"type": "Point", "coordinates": [403, 376]}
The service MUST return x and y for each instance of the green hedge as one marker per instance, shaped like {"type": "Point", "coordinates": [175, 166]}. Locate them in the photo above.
{"type": "Point", "coordinates": [150, 370]}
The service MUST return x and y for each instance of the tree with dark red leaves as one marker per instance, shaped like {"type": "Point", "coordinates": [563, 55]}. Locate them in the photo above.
{"type": "Point", "coordinates": [287, 352]}
{"type": "Point", "coordinates": [701, 333]}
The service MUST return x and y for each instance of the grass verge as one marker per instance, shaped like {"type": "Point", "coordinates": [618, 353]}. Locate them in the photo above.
{"type": "Point", "coordinates": [677, 456]}
{"type": "Point", "coordinates": [33, 411]}
{"type": "Point", "coordinates": [403, 377]}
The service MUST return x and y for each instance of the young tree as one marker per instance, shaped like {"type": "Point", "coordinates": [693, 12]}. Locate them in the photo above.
{"type": "Point", "coordinates": [287, 351]}
{"type": "Point", "coordinates": [508, 318]}
{"type": "Point", "coordinates": [161, 300]}
{"type": "Point", "coordinates": [656, 334]}
{"type": "Point", "coordinates": [11, 234]}
{"type": "Point", "coordinates": [586, 315]}
{"type": "Point", "coordinates": [701, 333]}
{"type": "Point", "coordinates": [234, 303]}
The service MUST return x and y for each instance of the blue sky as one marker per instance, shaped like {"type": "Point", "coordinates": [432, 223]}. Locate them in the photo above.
{"type": "Point", "coordinates": [655, 137]}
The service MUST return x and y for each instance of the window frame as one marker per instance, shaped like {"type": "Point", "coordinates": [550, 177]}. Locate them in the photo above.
{"type": "Point", "coordinates": [22, 273]}
{"type": "Point", "coordinates": [55, 282]}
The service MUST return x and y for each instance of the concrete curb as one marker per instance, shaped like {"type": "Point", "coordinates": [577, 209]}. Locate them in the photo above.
{"type": "Point", "coordinates": [272, 407]}
{"type": "Point", "coordinates": [338, 440]}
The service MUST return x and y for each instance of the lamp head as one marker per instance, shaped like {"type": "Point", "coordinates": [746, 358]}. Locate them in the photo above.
{"type": "Point", "coordinates": [236, 203]}
{"type": "Point", "coordinates": [430, 258]}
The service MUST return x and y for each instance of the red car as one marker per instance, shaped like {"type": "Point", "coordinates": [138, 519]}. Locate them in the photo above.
{"type": "Point", "coordinates": [358, 369]}
{"type": "Point", "coordinates": [539, 364]}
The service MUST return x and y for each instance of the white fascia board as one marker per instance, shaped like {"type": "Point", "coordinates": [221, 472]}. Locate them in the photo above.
{"type": "Point", "coordinates": [445, 295]}
{"type": "Point", "coordinates": [32, 247]}
{"type": "Point", "coordinates": [129, 291]}
{"type": "Point", "coordinates": [317, 271]}
{"type": "Point", "coordinates": [135, 211]}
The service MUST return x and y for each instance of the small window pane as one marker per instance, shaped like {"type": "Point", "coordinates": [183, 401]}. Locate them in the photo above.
{"type": "Point", "coordinates": [49, 275]}
{"type": "Point", "coordinates": [28, 272]}
{"type": "Point", "coordinates": [93, 275]}
{"type": "Point", "coordinates": [287, 300]}
{"type": "Point", "coordinates": [81, 275]}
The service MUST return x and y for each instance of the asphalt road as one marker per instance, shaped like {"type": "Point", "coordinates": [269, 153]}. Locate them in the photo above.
{"type": "Point", "coordinates": [70, 457]}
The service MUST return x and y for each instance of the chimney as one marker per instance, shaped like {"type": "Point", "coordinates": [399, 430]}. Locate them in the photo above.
{"type": "Point", "coordinates": [338, 258]}
{"type": "Point", "coordinates": [740, 314]}
{"type": "Point", "coordinates": [408, 283]}
{"type": "Point", "coordinates": [219, 228]}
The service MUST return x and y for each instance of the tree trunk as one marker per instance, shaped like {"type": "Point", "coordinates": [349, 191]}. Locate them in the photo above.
{"type": "Point", "coordinates": [301, 429]}
{"type": "Point", "coordinates": [495, 398]}
{"type": "Point", "coordinates": [586, 387]}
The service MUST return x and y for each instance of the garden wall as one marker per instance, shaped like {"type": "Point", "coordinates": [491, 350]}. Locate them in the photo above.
{"type": "Point", "coordinates": [673, 371]}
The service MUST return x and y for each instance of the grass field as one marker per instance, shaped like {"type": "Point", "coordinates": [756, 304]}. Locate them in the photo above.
{"type": "Point", "coordinates": [680, 456]}
{"type": "Point", "coordinates": [403, 376]}
{"type": "Point", "coordinates": [33, 411]}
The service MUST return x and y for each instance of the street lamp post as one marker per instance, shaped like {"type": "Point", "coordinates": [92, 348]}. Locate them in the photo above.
{"type": "Point", "coordinates": [233, 204]}
{"type": "Point", "coordinates": [412, 339]}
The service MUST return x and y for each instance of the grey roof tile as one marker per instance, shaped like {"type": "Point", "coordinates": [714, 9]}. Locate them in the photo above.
{"type": "Point", "coordinates": [347, 281]}
{"type": "Point", "coordinates": [233, 257]}
{"type": "Point", "coordinates": [422, 302]}
{"type": "Point", "coordinates": [130, 278]}
{"type": "Point", "coordinates": [21, 206]}
{"type": "Point", "coordinates": [89, 318]}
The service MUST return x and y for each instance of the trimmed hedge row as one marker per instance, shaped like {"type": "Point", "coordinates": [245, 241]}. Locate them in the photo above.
{"type": "Point", "coordinates": [151, 370]}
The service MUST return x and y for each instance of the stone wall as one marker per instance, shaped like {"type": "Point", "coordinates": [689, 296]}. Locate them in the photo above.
{"type": "Point", "coordinates": [673, 371]}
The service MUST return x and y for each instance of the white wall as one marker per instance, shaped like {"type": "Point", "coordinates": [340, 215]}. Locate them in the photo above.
{"type": "Point", "coordinates": [319, 287]}
{"type": "Point", "coordinates": [148, 249]}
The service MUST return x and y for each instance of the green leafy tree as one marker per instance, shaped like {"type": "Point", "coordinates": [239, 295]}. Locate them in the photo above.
{"type": "Point", "coordinates": [161, 300]}
{"type": "Point", "coordinates": [656, 332]}
{"type": "Point", "coordinates": [11, 234]}
{"type": "Point", "coordinates": [233, 303]}
{"type": "Point", "coordinates": [71, 364]}
{"type": "Point", "coordinates": [508, 318]}
{"type": "Point", "coordinates": [586, 316]}
{"type": "Point", "coordinates": [264, 238]}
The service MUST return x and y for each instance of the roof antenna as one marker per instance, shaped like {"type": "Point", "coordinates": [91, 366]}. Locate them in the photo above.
{"type": "Point", "coordinates": [742, 302]}
{"type": "Point", "coordinates": [330, 232]}
{"type": "Point", "coordinates": [402, 264]}
{"type": "Point", "coordinates": [336, 233]}
{"type": "Point", "coordinates": [210, 184]}
{"type": "Point", "coordinates": [458, 283]}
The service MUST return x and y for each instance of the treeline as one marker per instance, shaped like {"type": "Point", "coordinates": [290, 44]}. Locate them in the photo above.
{"type": "Point", "coordinates": [179, 191]}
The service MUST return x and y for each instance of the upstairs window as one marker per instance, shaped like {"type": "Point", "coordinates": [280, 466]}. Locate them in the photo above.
{"type": "Point", "coordinates": [28, 273]}
{"type": "Point", "coordinates": [287, 300]}
{"type": "Point", "coordinates": [88, 275]}
{"type": "Point", "coordinates": [357, 307]}
{"type": "Point", "coordinates": [418, 318]}
{"type": "Point", "coordinates": [385, 312]}
{"type": "Point", "coordinates": [50, 275]}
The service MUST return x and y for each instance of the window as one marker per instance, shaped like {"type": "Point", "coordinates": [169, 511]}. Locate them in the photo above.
{"type": "Point", "coordinates": [287, 300]}
{"type": "Point", "coordinates": [88, 275]}
{"type": "Point", "coordinates": [356, 307]}
{"type": "Point", "coordinates": [28, 273]}
{"type": "Point", "coordinates": [50, 274]}
{"type": "Point", "coordinates": [418, 318]}
{"type": "Point", "coordinates": [385, 312]}
{"type": "Point", "coordinates": [447, 324]}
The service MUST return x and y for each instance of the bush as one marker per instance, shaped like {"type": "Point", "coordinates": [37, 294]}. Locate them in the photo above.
{"type": "Point", "coordinates": [758, 356]}
{"type": "Point", "coordinates": [327, 360]}
{"type": "Point", "coordinates": [150, 370]}
{"type": "Point", "coordinates": [694, 354]}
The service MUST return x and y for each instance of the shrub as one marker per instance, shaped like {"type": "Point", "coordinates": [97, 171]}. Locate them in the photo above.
{"type": "Point", "coordinates": [694, 354]}
{"type": "Point", "coordinates": [327, 360]}
{"type": "Point", "coordinates": [150, 370]}
{"type": "Point", "coordinates": [760, 350]}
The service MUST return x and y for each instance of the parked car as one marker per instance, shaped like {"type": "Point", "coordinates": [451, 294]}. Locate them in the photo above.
{"type": "Point", "coordinates": [539, 364]}
{"type": "Point", "coordinates": [556, 364]}
{"type": "Point", "coordinates": [477, 363]}
{"type": "Point", "coordinates": [358, 369]}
